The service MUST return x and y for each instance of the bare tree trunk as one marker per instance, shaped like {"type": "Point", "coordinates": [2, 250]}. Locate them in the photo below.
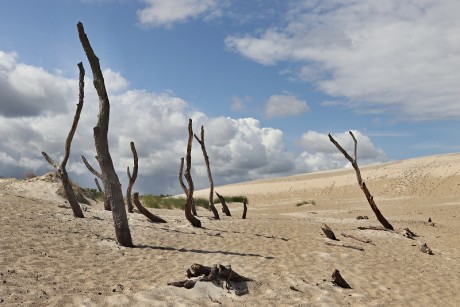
{"type": "Point", "coordinates": [66, 184]}
{"type": "Point", "coordinates": [132, 179]}
{"type": "Point", "coordinates": [146, 212]}
{"type": "Point", "coordinates": [188, 206]}
{"type": "Point", "coordinates": [110, 179]}
{"type": "Point", "coordinates": [208, 168]}
{"type": "Point", "coordinates": [245, 210]}
{"type": "Point", "coordinates": [181, 181]}
{"type": "Point", "coordinates": [98, 186]}
{"type": "Point", "coordinates": [361, 183]}
{"type": "Point", "coordinates": [224, 205]}
{"type": "Point", "coordinates": [98, 175]}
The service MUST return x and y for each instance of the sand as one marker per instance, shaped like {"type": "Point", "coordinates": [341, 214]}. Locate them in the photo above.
{"type": "Point", "coordinates": [50, 258]}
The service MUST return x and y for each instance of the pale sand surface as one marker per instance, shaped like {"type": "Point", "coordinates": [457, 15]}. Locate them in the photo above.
{"type": "Point", "coordinates": [50, 258]}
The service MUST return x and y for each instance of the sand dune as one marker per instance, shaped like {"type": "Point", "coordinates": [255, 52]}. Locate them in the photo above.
{"type": "Point", "coordinates": [50, 258]}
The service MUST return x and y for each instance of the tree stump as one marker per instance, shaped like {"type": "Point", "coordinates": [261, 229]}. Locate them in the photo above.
{"type": "Point", "coordinates": [338, 280]}
{"type": "Point", "coordinates": [328, 232]}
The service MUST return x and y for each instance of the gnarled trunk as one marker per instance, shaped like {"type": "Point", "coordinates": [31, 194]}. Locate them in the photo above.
{"type": "Point", "coordinates": [188, 206]}
{"type": "Point", "coordinates": [146, 212]}
{"type": "Point", "coordinates": [132, 179]}
{"type": "Point", "coordinates": [110, 179]}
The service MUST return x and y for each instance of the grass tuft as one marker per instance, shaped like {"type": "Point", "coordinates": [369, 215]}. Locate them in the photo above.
{"type": "Point", "coordinates": [306, 202]}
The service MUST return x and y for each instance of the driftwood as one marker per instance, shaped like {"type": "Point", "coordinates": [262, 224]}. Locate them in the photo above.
{"type": "Point", "coordinates": [132, 179]}
{"type": "Point", "coordinates": [328, 232]}
{"type": "Point", "coordinates": [66, 184]}
{"type": "Point", "coordinates": [344, 245]}
{"type": "Point", "coordinates": [361, 183]}
{"type": "Point", "coordinates": [406, 232]}
{"type": "Point", "coordinates": [356, 238]}
{"type": "Point", "coordinates": [188, 205]}
{"type": "Point", "coordinates": [181, 181]}
{"type": "Point", "coordinates": [220, 275]}
{"type": "Point", "coordinates": [245, 209]}
{"type": "Point", "coordinates": [112, 186]}
{"type": "Point", "coordinates": [98, 175]}
{"type": "Point", "coordinates": [224, 205]}
{"type": "Point", "coordinates": [338, 280]}
{"type": "Point", "coordinates": [374, 228]}
{"type": "Point", "coordinates": [146, 212]}
{"type": "Point", "coordinates": [425, 249]}
{"type": "Point", "coordinates": [208, 168]}
{"type": "Point", "coordinates": [98, 186]}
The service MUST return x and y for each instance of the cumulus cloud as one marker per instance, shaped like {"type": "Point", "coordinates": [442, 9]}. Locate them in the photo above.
{"type": "Point", "coordinates": [285, 105]}
{"type": "Point", "coordinates": [28, 90]}
{"type": "Point", "coordinates": [385, 56]}
{"type": "Point", "coordinates": [168, 12]}
{"type": "Point", "coordinates": [320, 154]}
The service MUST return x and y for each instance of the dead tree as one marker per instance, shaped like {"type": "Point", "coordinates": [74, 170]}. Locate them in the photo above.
{"type": "Point", "coordinates": [338, 280]}
{"type": "Point", "coordinates": [208, 168]}
{"type": "Point", "coordinates": [146, 212]}
{"type": "Point", "coordinates": [110, 179]}
{"type": "Point", "coordinates": [188, 205]}
{"type": "Point", "coordinates": [132, 179]}
{"type": "Point", "coordinates": [328, 232]}
{"type": "Point", "coordinates": [245, 209]}
{"type": "Point", "coordinates": [66, 184]}
{"type": "Point", "coordinates": [362, 185]}
{"type": "Point", "coordinates": [224, 205]}
{"type": "Point", "coordinates": [181, 181]}
{"type": "Point", "coordinates": [98, 175]}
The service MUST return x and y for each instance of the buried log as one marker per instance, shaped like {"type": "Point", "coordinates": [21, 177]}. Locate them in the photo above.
{"type": "Point", "coordinates": [362, 185]}
{"type": "Point", "coordinates": [344, 245]}
{"type": "Point", "coordinates": [245, 209]}
{"type": "Point", "coordinates": [221, 275]}
{"type": "Point", "coordinates": [224, 205]}
{"type": "Point", "coordinates": [364, 240]}
{"type": "Point", "coordinates": [144, 211]}
{"type": "Point", "coordinates": [338, 280]}
{"type": "Point", "coordinates": [328, 232]}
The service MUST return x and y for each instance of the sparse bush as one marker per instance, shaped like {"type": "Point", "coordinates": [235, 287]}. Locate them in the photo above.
{"type": "Point", "coordinates": [306, 202]}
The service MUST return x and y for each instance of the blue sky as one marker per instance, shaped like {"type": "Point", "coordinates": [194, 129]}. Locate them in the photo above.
{"type": "Point", "coordinates": [268, 80]}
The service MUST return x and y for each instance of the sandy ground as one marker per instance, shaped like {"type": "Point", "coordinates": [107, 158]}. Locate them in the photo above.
{"type": "Point", "coordinates": [50, 258]}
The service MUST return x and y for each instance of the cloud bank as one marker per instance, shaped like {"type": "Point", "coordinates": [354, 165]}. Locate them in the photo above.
{"type": "Point", "coordinates": [379, 56]}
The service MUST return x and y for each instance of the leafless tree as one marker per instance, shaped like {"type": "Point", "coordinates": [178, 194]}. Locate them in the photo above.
{"type": "Point", "coordinates": [181, 181]}
{"type": "Point", "coordinates": [132, 178]}
{"type": "Point", "coordinates": [224, 205]}
{"type": "Point", "coordinates": [362, 185]}
{"type": "Point", "coordinates": [66, 184]}
{"type": "Point", "coordinates": [245, 209]}
{"type": "Point", "coordinates": [146, 212]}
{"type": "Point", "coordinates": [110, 179]}
{"type": "Point", "coordinates": [211, 183]}
{"type": "Point", "coordinates": [98, 175]}
{"type": "Point", "coordinates": [188, 206]}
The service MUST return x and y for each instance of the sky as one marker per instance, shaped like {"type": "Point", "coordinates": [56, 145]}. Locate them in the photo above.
{"type": "Point", "coordinates": [268, 80]}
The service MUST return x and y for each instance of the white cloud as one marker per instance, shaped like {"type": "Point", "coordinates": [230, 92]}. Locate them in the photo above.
{"type": "Point", "coordinates": [398, 56]}
{"type": "Point", "coordinates": [320, 154]}
{"type": "Point", "coordinates": [28, 90]}
{"type": "Point", "coordinates": [239, 105]}
{"type": "Point", "coordinates": [168, 12]}
{"type": "Point", "coordinates": [285, 105]}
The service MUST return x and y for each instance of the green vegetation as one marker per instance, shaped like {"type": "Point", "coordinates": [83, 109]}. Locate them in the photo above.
{"type": "Point", "coordinates": [93, 194]}
{"type": "Point", "coordinates": [167, 202]}
{"type": "Point", "coordinates": [233, 199]}
{"type": "Point", "coordinates": [306, 202]}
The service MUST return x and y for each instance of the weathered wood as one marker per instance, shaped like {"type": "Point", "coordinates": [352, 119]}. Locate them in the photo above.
{"type": "Point", "coordinates": [344, 245]}
{"type": "Point", "coordinates": [208, 168]}
{"type": "Point", "coordinates": [188, 205]}
{"type": "Point", "coordinates": [221, 275]}
{"type": "Point", "coordinates": [224, 205]}
{"type": "Point", "coordinates": [66, 184]}
{"type": "Point", "coordinates": [110, 179]}
{"type": "Point", "coordinates": [356, 238]}
{"type": "Point", "coordinates": [98, 175]}
{"type": "Point", "coordinates": [374, 228]}
{"type": "Point", "coordinates": [181, 181]}
{"type": "Point", "coordinates": [245, 210]}
{"type": "Point", "coordinates": [338, 280]}
{"type": "Point", "coordinates": [425, 249]}
{"type": "Point", "coordinates": [406, 232]}
{"type": "Point", "coordinates": [132, 178]}
{"type": "Point", "coordinates": [98, 186]}
{"type": "Point", "coordinates": [361, 183]}
{"type": "Point", "coordinates": [328, 232]}
{"type": "Point", "coordinates": [144, 211]}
